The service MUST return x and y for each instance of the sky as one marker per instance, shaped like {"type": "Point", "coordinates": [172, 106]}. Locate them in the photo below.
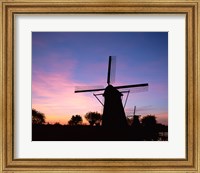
{"type": "Point", "coordinates": [63, 61]}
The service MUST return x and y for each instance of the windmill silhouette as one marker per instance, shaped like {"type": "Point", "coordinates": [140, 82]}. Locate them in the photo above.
{"type": "Point", "coordinates": [113, 110]}
{"type": "Point", "coordinates": [136, 121]}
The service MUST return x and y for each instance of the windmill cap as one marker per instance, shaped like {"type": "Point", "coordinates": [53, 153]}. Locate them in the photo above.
{"type": "Point", "coordinates": [110, 90]}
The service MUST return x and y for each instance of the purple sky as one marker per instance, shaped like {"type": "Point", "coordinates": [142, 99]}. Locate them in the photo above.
{"type": "Point", "coordinates": [63, 60]}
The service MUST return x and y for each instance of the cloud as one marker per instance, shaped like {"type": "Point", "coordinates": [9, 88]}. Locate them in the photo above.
{"type": "Point", "coordinates": [53, 94]}
{"type": "Point", "coordinates": [162, 118]}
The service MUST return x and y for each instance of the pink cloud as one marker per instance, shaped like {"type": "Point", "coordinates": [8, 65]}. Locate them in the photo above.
{"type": "Point", "coordinates": [162, 118]}
{"type": "Point", "coordinates": [54, 96]}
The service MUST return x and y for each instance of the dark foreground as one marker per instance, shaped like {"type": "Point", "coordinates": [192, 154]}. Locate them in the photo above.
{"type": "Point", "coordinates": [96, 133]}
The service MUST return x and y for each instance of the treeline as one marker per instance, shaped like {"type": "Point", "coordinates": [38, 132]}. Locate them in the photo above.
{"type": "Point", "coordinates": [147, 128]}
{"type": "Point", "coordinates": [95, 119]}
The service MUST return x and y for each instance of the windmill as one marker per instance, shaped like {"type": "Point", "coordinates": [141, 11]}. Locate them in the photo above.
{"type": "Point", "coordinates": [113, 109]}
{"type": "Point", "coordinates": [136, 121]}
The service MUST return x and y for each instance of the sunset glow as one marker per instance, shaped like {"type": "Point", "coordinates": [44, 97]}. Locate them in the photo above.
{"type": "Point", "coordinates": [62, 61]}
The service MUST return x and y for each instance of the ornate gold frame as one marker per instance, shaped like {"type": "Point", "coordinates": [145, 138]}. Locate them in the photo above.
{"type": "Point", "coordinates": [9, 8]}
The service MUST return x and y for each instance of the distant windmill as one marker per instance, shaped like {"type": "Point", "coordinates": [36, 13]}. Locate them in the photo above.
{"type": "Point", "coordinates": [113, 111]}
{"type": "Point", "coordinates": [136, 121]}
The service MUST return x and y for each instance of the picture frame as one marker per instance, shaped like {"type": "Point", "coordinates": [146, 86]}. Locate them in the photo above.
{"type": "Point", "coordinates": [10, 8]}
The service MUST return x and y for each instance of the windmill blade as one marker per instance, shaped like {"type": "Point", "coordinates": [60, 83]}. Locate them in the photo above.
{"type": "Point", "coordinates": [132, 86]}
{"type": "Point", "coordinates": [79, 89]}
{"type": "Point", "coordinates": [111, 70]}
{"type": "Point", "coordinates": [138, 89]}
{"type": "Point", "coordinates": [109, 67]}
{"type": "Point", "coordinates": [134, 110]}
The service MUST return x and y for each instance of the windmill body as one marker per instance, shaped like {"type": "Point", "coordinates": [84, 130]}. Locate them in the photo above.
{"type": "Point", "coordinates": [113, 112]}
{"type": "Point", "coordinates": [136, 121]}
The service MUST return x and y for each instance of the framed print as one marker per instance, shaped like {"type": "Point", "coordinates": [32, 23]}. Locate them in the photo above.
{"type": "Point", "coordinates": [99, 86]}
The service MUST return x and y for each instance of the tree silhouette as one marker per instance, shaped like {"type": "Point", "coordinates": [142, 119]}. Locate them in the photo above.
{"type": "Point", "coordinates": [93, 118]}
{"type": "Point", "coordinates": [149, 121]}
{"type": "Point", "coordinates": [37, 117]}
{"type": "Point", "coordinates": [57, 124]}
{"type": "Point", "coordinates": [150, 127]}
{"type": "Point", "coordinates": [75, 120]}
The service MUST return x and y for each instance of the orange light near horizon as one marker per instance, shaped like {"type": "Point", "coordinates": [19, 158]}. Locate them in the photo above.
{"type": "Point", "coordinates": [52, 119]}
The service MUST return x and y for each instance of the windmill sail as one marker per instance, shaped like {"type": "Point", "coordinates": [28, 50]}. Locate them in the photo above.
{"type": "Point", "coordinates": [79, 89]}
{"type": "Point", "coordinates": [132, 86]}
{"type": "Point", "coordinates": [111, 70]}
{"type": "Point", "coordinates": [134, 110]}
{"type": "Point", "coordinates": [89, 90]}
